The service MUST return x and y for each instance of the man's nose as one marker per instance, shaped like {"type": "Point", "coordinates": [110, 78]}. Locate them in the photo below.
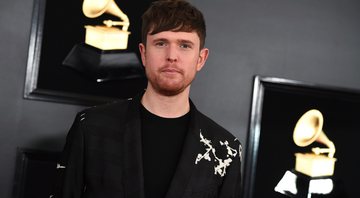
{"type": "Point", "coordinates": [172, 54]}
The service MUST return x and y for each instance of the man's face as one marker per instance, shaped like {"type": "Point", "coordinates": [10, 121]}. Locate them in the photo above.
{"type": "Point", "coordinates": [171, 60]}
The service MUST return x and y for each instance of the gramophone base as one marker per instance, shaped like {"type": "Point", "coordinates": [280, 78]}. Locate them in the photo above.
{"type": "Point", "coordinates": [104, 65]}
{"type": "Point", "coordinates": [106, 38]}
{"type": "Point", "coordinates": [314, 165]}
{"type": "Point", "coordinates": [297, 185]}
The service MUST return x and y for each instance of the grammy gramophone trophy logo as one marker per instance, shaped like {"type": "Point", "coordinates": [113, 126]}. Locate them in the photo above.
{"type": "Point", "coordinates": [104, 56]}
{"type": "Point", "coordinates": [313, 170]}
{"type": "Point", "coordinates": [308, 129]}
{"type": "Point", "coordinates": [107, 36]}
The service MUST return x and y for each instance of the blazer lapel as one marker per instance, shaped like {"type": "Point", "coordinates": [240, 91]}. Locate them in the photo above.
{"type": "Point", "coordinates": [133, 170]}
{"type": "Point", "coordinates": [186, 163]}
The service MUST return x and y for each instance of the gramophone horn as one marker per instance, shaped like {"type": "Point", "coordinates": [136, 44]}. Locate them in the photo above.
{"type": "Point", "coordinates": [95, 8]}
{"type": "Point", "coordinates": [309, 129]}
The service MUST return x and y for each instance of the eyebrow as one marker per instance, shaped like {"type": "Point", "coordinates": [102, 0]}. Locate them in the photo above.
{"type": "Point", "coordinates": [185, 41]}
{"type": "Point", "coordinates": [159, 39]}
{"type": "Point", "coordinates": [178, 41]}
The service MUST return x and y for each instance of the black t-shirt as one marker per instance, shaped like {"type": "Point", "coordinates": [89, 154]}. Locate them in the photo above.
{"type": "Point", "coordinates": [162, 142]}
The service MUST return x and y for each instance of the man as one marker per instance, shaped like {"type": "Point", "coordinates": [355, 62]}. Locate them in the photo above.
{"type": "Point", "coordinates": [156, 144]}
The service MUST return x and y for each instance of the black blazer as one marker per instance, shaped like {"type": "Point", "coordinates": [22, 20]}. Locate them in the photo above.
{"type": "Point", "coordinates": [102, 157]}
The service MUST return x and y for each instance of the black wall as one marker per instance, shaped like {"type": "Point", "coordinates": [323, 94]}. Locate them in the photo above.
{"type": "Point", "coordinates": [315, 41]}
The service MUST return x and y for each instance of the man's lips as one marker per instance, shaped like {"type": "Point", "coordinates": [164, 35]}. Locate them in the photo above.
{"type": "Point", "coordinates": [171, 70]}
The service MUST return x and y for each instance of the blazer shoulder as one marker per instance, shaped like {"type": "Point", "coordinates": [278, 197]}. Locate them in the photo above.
{"type": "Point", "coordinates": [113, 107]}
{"type": "Point", "coordinates": [215, 130]}
{"type": "Point", "coordinates": [115, 110]}
{"type": "Point", "coordinates": [216, 138]}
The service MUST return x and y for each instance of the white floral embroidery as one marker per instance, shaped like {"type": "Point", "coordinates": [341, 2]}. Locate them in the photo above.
{"type": "Point", "coordinates": [240, 152]}
{"type": "Point", "coordinates": [220, 168]}
{"type": "Point", "coordinates": [240, 149]}
{"type": "Point", "coordinates": [232, 152]}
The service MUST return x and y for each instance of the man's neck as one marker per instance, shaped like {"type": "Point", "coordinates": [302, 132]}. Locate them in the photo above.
{"type": "Point", "coordinates": [166, 106]}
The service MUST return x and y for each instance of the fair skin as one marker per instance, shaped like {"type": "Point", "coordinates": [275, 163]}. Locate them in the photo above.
{"type": "Point", "coordinates": [171, 61]}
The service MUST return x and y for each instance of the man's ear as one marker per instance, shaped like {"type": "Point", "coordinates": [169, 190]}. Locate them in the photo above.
{"type": "Point", "coordinates": [204, 53]}
{"type": "Point", "coordinates": [142, 50]}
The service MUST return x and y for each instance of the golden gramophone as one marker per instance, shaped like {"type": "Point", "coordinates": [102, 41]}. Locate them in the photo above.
{"type": "Point", "coordinates": [104, 55]}
{"type": "Point", "coordinates": [106, 37]}
{"type": "Point", "coordinates": [308, 129]}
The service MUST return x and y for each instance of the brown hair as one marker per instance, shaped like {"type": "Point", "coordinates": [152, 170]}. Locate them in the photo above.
{"type": "Point", "coordinates": [173, 15]}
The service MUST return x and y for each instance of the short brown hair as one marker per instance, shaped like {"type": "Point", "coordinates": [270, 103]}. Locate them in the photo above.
{"type": "Point", "coordinates": [173, 15]}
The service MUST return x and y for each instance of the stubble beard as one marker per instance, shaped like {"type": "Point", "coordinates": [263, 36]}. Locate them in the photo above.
{"type": "Point", "coordinates": [165, 85]}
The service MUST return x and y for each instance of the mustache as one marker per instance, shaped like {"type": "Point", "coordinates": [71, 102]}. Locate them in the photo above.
{"type": "Point", "coordinates": [171, 68]}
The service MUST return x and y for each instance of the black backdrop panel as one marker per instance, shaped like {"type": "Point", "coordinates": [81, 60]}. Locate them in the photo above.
{"type": "Point", "coordinates": [277, 106]}
{"type": "Point", "coordinates": [57, 26]}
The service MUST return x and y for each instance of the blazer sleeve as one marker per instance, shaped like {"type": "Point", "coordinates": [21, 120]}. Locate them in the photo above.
{"type": "Point", "coordinates": [231, 186]}
{"type": "Point", "coordinates": [70, 175]}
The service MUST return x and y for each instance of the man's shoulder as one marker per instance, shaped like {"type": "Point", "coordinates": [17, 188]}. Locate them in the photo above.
{"type": "Point", "coordinates": [212, 128]}
{"type": "Point", "coordinates": [109, 107]}
{"type": "Point", "coordinates": [106, 112]}
{"type": "Point", "coordinates": [219, 140]}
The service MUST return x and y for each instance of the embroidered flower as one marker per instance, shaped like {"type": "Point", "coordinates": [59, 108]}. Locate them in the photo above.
{"type": "Point", "coordinates": [222, 164]}
{"type": "Point", "coordinates": [240, 152]}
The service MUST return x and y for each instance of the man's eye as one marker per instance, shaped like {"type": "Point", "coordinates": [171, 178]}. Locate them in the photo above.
{"type": "Point", "coordinates": [185, 46]}
{"type": "Point", "coordinates": [160, 44]}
